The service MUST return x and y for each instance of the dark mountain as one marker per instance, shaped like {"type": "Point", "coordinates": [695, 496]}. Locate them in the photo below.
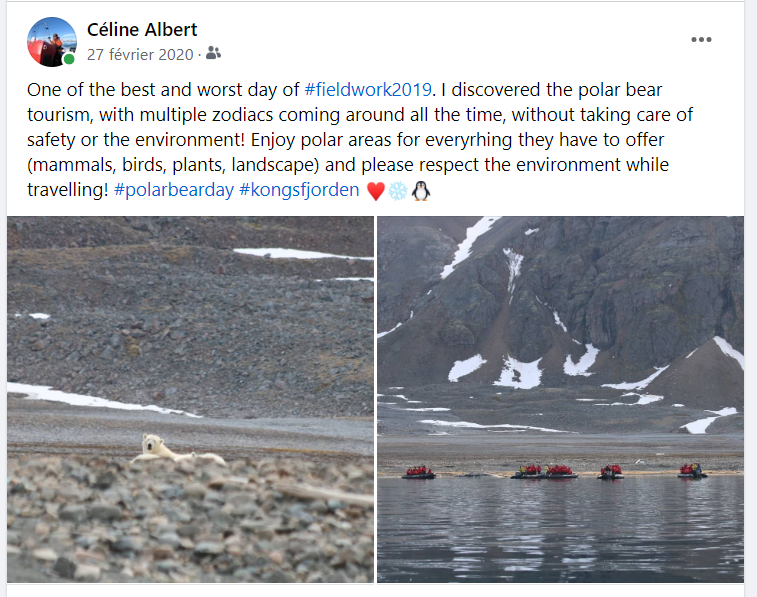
{"type": "Point", "coordinates": [570, 303]}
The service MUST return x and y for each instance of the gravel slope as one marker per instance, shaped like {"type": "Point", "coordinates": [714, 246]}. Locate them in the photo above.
{"type": "Point", "coordinates": [162, 311]}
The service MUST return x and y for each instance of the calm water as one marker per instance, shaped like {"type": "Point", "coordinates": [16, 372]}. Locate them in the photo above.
{"type": "Point", "coordinates": [639, 529]}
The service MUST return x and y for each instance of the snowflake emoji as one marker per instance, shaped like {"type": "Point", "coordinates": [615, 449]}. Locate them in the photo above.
{"type": "Point", "coordinates": [397, 191]}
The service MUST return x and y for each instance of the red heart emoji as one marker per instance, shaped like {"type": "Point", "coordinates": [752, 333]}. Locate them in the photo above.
{"type": "Point", "coordinates": [375, 189]}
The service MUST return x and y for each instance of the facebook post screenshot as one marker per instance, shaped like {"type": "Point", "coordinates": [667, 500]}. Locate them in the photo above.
{"type": "Point", "coordinates": [256, 332]}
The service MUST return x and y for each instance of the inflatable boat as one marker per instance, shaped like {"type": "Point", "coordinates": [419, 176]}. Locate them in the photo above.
{"type": "Point", "coordinates": [519, 475]}
{"type": "Point", "coordinates": [610, 476]}
{"type": "Point", "coordinates": [421, 476]}
{"type": "Point", "coordinates": [610, 473]}
{"type": "Point", "coordinates": [691, 471]}
{"type": "Point", "coordinates": [560, 472]}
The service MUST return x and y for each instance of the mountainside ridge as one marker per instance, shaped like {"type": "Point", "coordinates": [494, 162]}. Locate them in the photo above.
{"type": "Point", "coordinates": [567, 302]}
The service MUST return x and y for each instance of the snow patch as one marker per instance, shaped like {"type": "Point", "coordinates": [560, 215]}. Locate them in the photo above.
{"type": "Point", "coordinates": [514, 261]}
{"type": "Point", "coordinates": [39, 315]}
{"type": "Point", "coordinates": [397, 388]}
{"type": "Point", "coordinates": [531, 231]}
{"type": "Point", "coordinates": [589, 399]}
{"type": "Point", "coordinates": [466, 367]}
{"type": "Point", "coordinates": [692, 352]}
{"type": "Point", "coordinates": [729, 350]}
{"type": "Point", "coordinates": [465, 247]}
{"type": "Point", "coordinates": [558, 322]}
{"type": "Point", "coordinates": [700, 427]}
{"type": "Point", "coordinates": [425, 409]}
{"type": "Point", "coordinates": [477, 426]}
{"type": "Point", "coordinates": [643, 398]}
{"type": "Point", "coordinates": [530, 374]}
{"type": "Point", "coordinates": [295, 254]}
{"type": "Point", "coordinates": [636, 385]}
{"type": "Point", "coordinates": [507, 431]}
{"type": "Point", "coordinates": [47, 393]}
{"type": "Point", "coordinates": [678, 405]}
{"type": "Point", "coordinates": [583, 364]}
{"type": "Point", "coordinates": [347, 280]}
{"type": "Point", "coordinates": [438, 433]}
{"type": "Point", "coordinates": [723, 412]}
{"type": "Point", "coordinates": [382, 334]}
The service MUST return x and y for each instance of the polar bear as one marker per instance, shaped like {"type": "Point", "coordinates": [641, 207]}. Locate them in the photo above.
{"type": "Point", "coordinates": [154, 447]}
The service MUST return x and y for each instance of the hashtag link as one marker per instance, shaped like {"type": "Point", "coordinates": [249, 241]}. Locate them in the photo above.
{"type": "Point", "coordinates": [244, 189]}
{"type": "Point", "coordinates": [309, 89]}
{"type": "Point", "coordinates": [119, 188]}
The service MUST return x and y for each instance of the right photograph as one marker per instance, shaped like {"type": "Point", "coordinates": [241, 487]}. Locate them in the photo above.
{"type": "Point", "coordinates": [560, 399]}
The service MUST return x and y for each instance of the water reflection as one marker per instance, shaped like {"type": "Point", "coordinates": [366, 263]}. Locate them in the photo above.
{"type": "Point", "coordinates": [640, 529]}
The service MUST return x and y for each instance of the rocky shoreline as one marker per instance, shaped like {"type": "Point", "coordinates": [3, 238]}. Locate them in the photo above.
{"type": "Point", "coordinates": [643, 454]}
{"type": "Point", "coordinates": [102, 520]}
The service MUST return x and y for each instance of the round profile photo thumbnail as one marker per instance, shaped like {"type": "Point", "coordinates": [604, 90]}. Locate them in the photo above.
{"type": "Point", "coordinates": [52, 42]}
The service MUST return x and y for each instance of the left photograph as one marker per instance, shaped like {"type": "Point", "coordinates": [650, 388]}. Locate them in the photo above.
{"type": "Point", "coordinates": [190, 399]}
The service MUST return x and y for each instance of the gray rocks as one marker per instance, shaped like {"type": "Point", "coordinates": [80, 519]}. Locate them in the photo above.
{"type": "Point", "coordinates": [74, 513]}
{"type": "Point", "coordinates": [208, 548]}
{"type": "Point", "coordinates": [64, 568]}
{"type": "Point", "coordinates": [195, 490]}
{"type": "Point", "coordinates": [132, 320]}
{"type": "Point", "coordinates": [45, 554]}
{"type": "Point", "coordinates": [188, 530]}
{"type": "Point", "coordinates": [125, 545]}
{"type": "Point", "coordinates": [169, 539]}
{"type": "Point", "coordinates": [105, 512]}
{"type": "Point", "coordinates": [105, 480]}
{"type": "Point", "coordinates": [87, 573]}
{"type": "Point", "coordinates": [162, 522]}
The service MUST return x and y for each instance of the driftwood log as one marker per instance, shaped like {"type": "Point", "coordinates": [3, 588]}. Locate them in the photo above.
{"type": "Point", "coordinates": [307, 492]}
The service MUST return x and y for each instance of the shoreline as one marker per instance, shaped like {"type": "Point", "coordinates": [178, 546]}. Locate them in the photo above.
{"type": "Point", "coordinates": [507, 474]}
{"type": "Point", "coordinates": [637, 454]}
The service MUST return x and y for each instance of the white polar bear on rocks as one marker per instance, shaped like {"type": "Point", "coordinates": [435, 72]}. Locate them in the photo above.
{"type": "Point", "coordinates": [154, 447]}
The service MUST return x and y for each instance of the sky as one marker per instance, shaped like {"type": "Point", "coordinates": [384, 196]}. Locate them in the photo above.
{"type": "Point", "coordinates": [49, 25]}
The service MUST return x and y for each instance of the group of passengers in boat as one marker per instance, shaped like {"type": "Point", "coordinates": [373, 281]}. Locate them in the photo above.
{"type": "Point", "coordinates": [420, 470]}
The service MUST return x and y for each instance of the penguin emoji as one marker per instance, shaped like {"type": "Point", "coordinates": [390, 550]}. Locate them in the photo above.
{"type": "Point", "coordinates": [421, 191]}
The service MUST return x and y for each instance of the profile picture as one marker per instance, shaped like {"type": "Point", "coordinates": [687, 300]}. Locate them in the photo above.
{"type": "Point", "coordinates": [52, 42]}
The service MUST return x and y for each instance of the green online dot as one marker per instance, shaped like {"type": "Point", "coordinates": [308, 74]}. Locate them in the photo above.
{"type": "Point", "coordinates": [68, 59]}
